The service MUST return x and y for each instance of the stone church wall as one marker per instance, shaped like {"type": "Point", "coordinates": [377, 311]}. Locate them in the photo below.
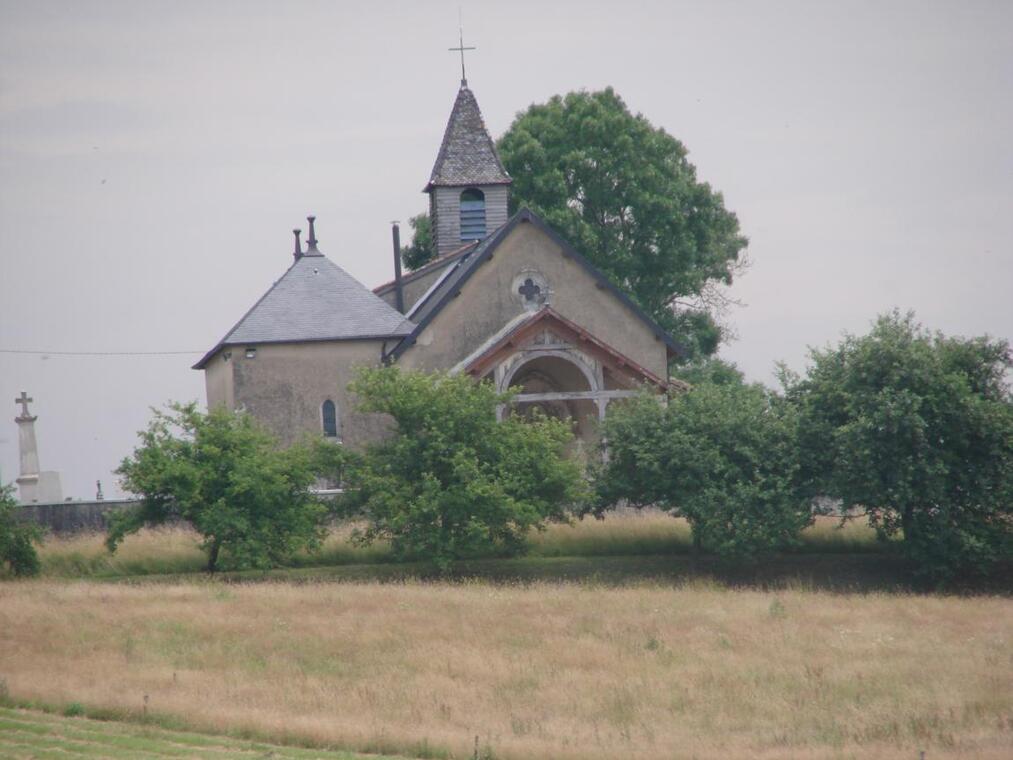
{"type": "Point", "coordinates": [488, 301]}
{"type": "Point", "coordinates": [285, 385]}
{"type": "Point", "coordinates": [218, 380]}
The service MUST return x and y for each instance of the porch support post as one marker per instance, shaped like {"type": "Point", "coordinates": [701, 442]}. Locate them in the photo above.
{"type": "Point", "coordinates": [497, 377]}
{"type": "Point", "coordinates": [603, 404]}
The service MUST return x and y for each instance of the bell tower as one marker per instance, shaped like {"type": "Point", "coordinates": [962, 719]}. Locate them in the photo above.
{"type": "Point", "coordinates": [469, 189]}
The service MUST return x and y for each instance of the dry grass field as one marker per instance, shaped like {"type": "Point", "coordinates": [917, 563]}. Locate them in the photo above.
{"type": "Point", "coordinates": [539, 670]}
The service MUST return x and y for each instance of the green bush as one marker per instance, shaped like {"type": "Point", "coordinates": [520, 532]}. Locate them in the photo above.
{"type": "Point", "coordinates": [226, 477]}
{"type": "Point", "coordinates": [915, 430]}
{"type": "Point", "coordinates": [450, 481]}
{"type": "Point", "coordinates": [724, 456]}
{"type": "Point", "coordinates": [17, 539]}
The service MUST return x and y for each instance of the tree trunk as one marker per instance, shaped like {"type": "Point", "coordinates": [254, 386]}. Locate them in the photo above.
{"type": "Point", "coordinates": [694, 555]}
{"type": "Point", "coordinates": [213, 555]}
{"type": "Point", "coordinates": [907, 523]}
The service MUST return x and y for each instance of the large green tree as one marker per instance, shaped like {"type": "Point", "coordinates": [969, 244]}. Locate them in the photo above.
{"type": "Point", "coordinates": [722, 455]}
{"type": "Point", "coordinates": [915, 430]}
{"type": "Point", "coordinates": [225, 476]}
{"type": "Point", "coordinates": [450, 481]}
{"type": "Point", "coordinates": [624, 194]}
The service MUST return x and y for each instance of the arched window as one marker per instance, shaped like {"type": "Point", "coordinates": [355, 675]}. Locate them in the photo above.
{"type": "Point", "coordinates": [330, 419]}
{"type": "Point", "coordinates": [472, 214]}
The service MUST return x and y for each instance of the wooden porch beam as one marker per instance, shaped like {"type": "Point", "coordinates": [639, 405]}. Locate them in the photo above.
{"type": "Point", "coordinates": [572, 396]}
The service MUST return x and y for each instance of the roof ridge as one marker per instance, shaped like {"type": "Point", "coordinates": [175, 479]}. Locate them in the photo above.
{"type": "Point", "coordinates": [428, 267]}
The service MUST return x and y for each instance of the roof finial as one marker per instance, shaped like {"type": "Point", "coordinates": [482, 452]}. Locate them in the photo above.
{"type": "Point", "coordinates": [311, 241]}
{"type": "Point", "coordinates": [297, 253]}
{"type": "Point", "coordinates": [461, 47]}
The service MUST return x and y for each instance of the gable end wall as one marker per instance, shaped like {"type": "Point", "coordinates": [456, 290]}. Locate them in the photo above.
{"type": "Point", "coordinates": [486, 303]}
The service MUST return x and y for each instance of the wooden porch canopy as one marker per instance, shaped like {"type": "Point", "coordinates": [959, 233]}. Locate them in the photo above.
{"type": "Point", "coordinates": [547, 318]}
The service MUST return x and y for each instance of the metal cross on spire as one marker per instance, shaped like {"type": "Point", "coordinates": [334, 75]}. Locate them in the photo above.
{"type": "Point", "coordinates": [461, 47]}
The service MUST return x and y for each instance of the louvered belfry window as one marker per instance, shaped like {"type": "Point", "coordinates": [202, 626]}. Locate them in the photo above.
{"type": "Point", "coordinates": [472, 214]}
{"type": "Point", "coordinates": [330, 419]}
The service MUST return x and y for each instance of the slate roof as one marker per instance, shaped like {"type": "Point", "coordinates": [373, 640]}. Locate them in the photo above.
{"type": "Point", "coordinates": [467, 155]}
{"type": "Point", "coordinates": [315, 300]}
{"type": "Point", "coordinates": [459, 271]}
{"type": "Point", "coordinates": [438, 263]}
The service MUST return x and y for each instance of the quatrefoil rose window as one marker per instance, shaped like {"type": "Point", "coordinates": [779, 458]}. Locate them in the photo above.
{"type": "Point", "coordinates": [530, 289]}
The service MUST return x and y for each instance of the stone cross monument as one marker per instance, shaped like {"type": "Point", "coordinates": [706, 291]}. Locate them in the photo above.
{"type": "Point", "coordinates": [28, 474]}
{"type": "Point", "coordinates": [33, 485]}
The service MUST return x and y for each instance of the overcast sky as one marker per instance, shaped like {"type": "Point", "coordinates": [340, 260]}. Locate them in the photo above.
{"type": "Point", "coordinates": [154, 157]}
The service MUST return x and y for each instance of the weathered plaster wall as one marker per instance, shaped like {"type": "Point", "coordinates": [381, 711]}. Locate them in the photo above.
{"type": "Point", "coordinates": [488, 301]}
{"type": "Point", "coordinates": [285, 385]}
{"type": "Point", "coordinates": [218, 380]}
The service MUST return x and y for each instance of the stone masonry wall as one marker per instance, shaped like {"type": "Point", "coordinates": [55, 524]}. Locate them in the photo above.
{"type": "Point", "coordinates": [73, 516]}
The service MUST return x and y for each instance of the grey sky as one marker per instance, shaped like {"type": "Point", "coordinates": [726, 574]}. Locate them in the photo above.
{"type": "Point", "coordinates": [154, 158]}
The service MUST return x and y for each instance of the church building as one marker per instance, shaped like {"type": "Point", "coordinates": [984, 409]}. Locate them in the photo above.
{"type": "Point", "coordinates": [506, 299]}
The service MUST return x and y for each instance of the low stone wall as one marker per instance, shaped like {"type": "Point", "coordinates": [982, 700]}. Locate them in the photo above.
{"type": "Point", "coordinates": [73, 516]}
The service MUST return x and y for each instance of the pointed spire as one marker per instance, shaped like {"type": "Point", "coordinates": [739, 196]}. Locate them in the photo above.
{"type": "Point", "coordinates": [297, 253]}
{"type": "Point", "coordinates": [467, 155]}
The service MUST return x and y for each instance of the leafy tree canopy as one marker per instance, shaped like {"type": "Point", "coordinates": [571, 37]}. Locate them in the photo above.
{"type": "Point", "coordinates": [225, 476]}
{"type": "Point", "coordinates": [624, 194]}
{"type": "Point", "coordinates": [724, 456]}
{"type": "Point", "coordinates": [450, 482]}
{"type": "Point", "coordinates": [17, 538]}
{"type": "Point", "coordinates": [711, 370]}
{"type": "Point", "coordinates": [421, 248]}
{"type": "Point", "coordinates": [916, 431]}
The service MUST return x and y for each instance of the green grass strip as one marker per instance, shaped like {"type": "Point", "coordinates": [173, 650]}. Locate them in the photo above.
{"type": "Point", "coordinates": [162, 746]}
{"type": "Point", "coordinates": [85, 748]}
{"type": "Point", "coordinates": [32, 752]}
{"type": "Point", "coordinates": [120, 737]}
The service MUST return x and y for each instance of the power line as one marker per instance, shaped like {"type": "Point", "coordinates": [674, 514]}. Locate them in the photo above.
{"type": "Point", "coordinates": [95, 353]}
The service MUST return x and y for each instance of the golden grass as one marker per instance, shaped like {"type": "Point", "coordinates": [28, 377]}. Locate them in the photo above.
{"type": "Point", "coordinates": [543, 670]}
{"type": "Point", "coordinates": [176, 550]}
